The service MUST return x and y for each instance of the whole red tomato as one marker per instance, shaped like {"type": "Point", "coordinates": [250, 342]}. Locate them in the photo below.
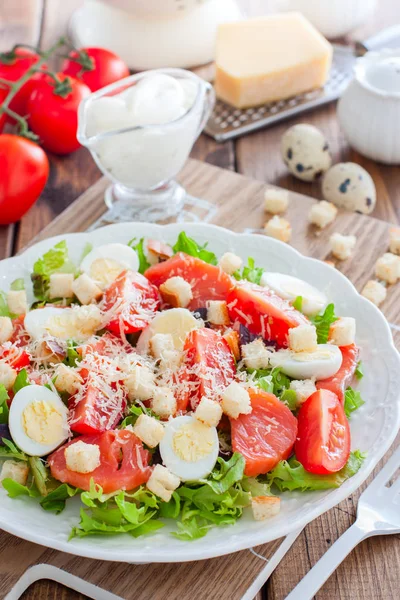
{"type": "Point", "coordinates": [107, 68]}
{"type": "Point", "coordinates": [24, 170]}
{"type": "Point", "coordinates": [14, 70]}
{"type": "Point", "coordinates": [54, 117]}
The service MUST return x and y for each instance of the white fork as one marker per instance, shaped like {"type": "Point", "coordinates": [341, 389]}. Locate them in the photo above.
{"type": "Point", "coordinates": [378, 513]}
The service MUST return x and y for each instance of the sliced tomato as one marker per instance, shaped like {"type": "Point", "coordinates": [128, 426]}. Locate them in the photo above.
{"type": "Point", "coordinates": [266, 435]}
{"type": "Point", "coordinates": [342, 379]}
{"type": "Point", "coordinates": [208, 282]}
{"type": "Point", "coordinates": [263, 312]}
{"type": "Point", "coordinates": [16, 355]}
{"type": "Point", "coordinates": [323, 439]}
{"type": "Point", "coordinates": [136, 301]}
{"type": "Point", "coordinates": [208, 368]}
{"type": "Point", "coordinates": [124, 463]}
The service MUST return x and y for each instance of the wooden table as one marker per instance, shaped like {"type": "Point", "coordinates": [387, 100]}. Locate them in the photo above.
{"type": "Point", "coordinates": [368, 571]}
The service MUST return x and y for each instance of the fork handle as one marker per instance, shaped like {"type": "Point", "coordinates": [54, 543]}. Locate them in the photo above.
{"type": "Point", "coordinates": [323, 569]}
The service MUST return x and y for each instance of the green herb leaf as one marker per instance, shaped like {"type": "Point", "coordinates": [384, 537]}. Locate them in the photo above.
{"type": "Point", "coordinates": [226, 473]}
{"type": "Point", "coordinates": [40, 474]}
{"type": "Point", "coordinates": [298, 303]}
{"type": "Point", "coordinates": [10, 450]}
{"type": "Point", "coordinates": [352, 401]}
{"type": "Point", "coordinates": [17, 285]}
{"type": "Point", "coordinates": [359, 372]}
{"type": "Point", "coordinates": [324, 322]}
{"type": "Point", "coordinates": [73, 357]}
{"type": "Point", "coordinates": [55, 260]}
{"type": "Point", "coordinates": [4, 411]}
{"type": "Point", "coordinates": [134, 413]}
{"type": "Point", "coordinates": [139, 249]}
{"type": "Point", "coordinates": [289, 397]}
{"type": "Point", "coordinates": [15, 489]}
{"type": "Point", "coordinates": [272, 381]}
{"type": "Point", "coordinates": [250, 272]}
{"type": "Point", "coordinates": [189, 246]}
{"type": "Point", "coordinates": [21, 381]}
{"type": "Point", "coordinates": [55, 500]}
{"type": "Point", "coordinates": [290, 475]}
{"type": "Point", "coordinates": [256, 487]}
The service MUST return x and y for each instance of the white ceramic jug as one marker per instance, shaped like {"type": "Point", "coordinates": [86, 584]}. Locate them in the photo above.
{"type": "Point", "coordinates": [151, 34]}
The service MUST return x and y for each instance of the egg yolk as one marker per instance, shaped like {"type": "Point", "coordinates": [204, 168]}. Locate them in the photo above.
{"type": "Point", "coordinates": [309, 356]}
{"type": "Point", "coordinates": [43, 423]}
{"type": "Point", "coordinates": [105, 270]}
{"type": "Point", "coordinates": [193, 442]}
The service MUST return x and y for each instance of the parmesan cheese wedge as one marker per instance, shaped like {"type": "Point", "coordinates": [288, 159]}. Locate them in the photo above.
{"type": "Point", "coordinates": [270, 58]}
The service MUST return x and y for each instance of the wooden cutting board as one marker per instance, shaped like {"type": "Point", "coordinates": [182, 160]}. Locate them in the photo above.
{"type": "Point", "coordinates": [239, 203]}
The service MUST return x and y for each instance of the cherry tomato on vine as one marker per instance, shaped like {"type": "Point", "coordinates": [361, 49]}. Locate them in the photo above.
{"type": "Point", "coordinates": [13, 69]}
{"type": "Point", "coordinates": [24, 170]}
{"type": "Point", "coordinates": [53, 112]}
{"type": "Point", "coordinates": [107, 67]}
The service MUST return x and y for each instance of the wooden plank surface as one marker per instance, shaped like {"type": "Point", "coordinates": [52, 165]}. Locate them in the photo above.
{"type": "Point", "coordinates": [239, 202]}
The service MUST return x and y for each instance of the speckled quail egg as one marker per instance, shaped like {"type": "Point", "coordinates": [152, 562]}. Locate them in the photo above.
{"type": "Point", "coordinates": [351, 187]}
{"type": "Point", "coordinates": [305, 151]}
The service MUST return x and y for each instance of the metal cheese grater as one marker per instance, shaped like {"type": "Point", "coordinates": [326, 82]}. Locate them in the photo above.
{"type": "Point", "coordinates": [228, 122]}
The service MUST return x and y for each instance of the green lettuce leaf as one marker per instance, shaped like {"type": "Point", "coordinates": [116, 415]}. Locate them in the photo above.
{"type": "Point", "coordinates": [256, 487]}
{"type": "Point", "coordinates": [10, 450]}
{"type": "Point", "coordinates": [359, 372]}
{"type": "Point", "coordinates": [40, 474]}
{"type": "Point", "coordinates": [15, 489]}
{"type": "Point", "coordinates": [323, 323]}
{"type": "Point", "coordinates": [4, 411]}
{"type": "Point", "coordinates": [298, 303]}
{"type": "Point", "coordinates": [139, 249]}
{"type": "Point", "coordinates": [73, 357]}
{"type": "Point", "coordinates": [17, 285]}
{"type": "Point", "coordinates": [21, 381]}
{"type": "Point", "coordinates": [290, 475]}
{"type": "Point", "coordinates": [271, 380]}
{"type": "Point", "coordinates": [87, 248]}
{"type": "Point", "coordinates": [226, 473]}
{"type": "Point", "coordinates": [55, 260]}
{"type": "Point", "coordinates": [352, 401]}
{"type": "Point", "coordinates": [135, 411]}
{"type": "Point", "coordinates": [189, 246]}
{"type": "Point", "coordinates": [56, 499]}
{"type": "Point", "coordinates": [4, 310]}
{"type": "Point", "coordinates": [250, 272]}
{"type": "Point", "coordinates": [289, 397]}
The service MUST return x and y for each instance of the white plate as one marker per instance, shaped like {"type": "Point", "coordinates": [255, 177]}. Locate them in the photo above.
{"type": "Point", "coordinates": [373, 426]}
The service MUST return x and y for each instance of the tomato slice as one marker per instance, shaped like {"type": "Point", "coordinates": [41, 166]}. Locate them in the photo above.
{"type": "Point", "coordinates": [136, 302]}
{"type": "Point", "coordinates": [323, 439]}
{"type": "Point", "coordinates": [208, 368]}
{"type": "Point", "coordinates": [123, 462]}
{"type": "Point", "coordinates": [266, 435]}
{"type": "Point", "coordinates": [342, 379]}
{"type": "Point", "coordinates": [208, 282]}
{"type": "Point", "coordinates": [263, 312]}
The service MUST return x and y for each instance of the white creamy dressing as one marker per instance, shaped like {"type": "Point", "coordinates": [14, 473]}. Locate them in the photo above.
{"type": "Point", "coordinates": [144, 158]}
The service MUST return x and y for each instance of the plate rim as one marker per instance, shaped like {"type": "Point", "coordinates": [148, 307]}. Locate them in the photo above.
{"type": "Point", "coordinates": [336, 496]}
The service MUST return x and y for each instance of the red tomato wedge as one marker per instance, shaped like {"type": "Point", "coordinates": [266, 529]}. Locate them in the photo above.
{"type": "Point", "coordinates": [323, 439]}
{"type": "Point", "coordinates": [135, 301]}
{"type": "Point", "coordinates": [95, 411]}
{"type": "Point", "coordinates": [208, 369]}
{"type": "Point", "coordinates": [342, 379]}
{"type": "Point", "coordinates": [263, 312]}
{"type": "Point", "coordinates": [123, 462]}
{"type": "Point", "coordinates": [208, 282]}
{"type": "Point", "coordinates": [266, 435]}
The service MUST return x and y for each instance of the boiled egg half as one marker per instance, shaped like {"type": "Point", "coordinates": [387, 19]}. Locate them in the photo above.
{"type": "Point", "coordinates": [38, 420]}
{"type": "Point", "coordinates": [176, 321]}
{"type": "Point", "coordinates": [189, 449]}
{"type": "Point", "coordinates": [320, 364]}
{"type": "Point", "coordinates": [289, 288]}
{"type": "Point", "coordinates": [77, 323]}
{"type": "Point", "coordinates": [104, 263]}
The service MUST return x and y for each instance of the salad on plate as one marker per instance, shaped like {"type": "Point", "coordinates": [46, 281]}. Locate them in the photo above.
{"type": "Point", "coordinates": [160, 384]}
